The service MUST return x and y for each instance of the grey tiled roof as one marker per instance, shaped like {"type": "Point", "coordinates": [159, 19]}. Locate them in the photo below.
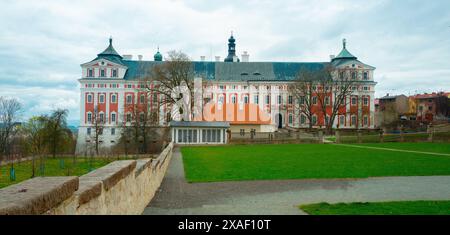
{"type": "Point", "coordinates": [199, 124]}
{"type": "Point", "coordinates": [222, 71]}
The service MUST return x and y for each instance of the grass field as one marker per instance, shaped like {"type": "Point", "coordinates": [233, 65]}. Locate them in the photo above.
{"type": "Point", "coordinates": [380, 208]}
{"type": "Point", "coordinates": [303, 161]}
{"type": "Point", "coordinates": [52, 168]}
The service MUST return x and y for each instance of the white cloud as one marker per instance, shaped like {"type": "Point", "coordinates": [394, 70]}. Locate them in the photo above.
{"type": "Point", "coordinates": [42, 43]}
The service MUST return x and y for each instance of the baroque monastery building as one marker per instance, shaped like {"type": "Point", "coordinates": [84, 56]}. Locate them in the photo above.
{"type": "Point", "coordinates": [111, 83]}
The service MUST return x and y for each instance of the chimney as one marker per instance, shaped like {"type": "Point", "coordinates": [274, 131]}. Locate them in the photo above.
{"type": "Point", "coordinates": [332, 57]}
{"type": "Point", "coordinates": [202, 58]}
{"type": "Point", "coordinates": [245, 57]}
{"type": "Point", "coordinates": [217, 58]}
{"type": "Point", "coordinates": [127, 57]}
{"type": "Point", "coordinates": [140, 57]}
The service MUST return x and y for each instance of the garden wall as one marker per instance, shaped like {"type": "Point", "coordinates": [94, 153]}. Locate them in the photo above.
{"type": "Point", "coordinates": [121, 187]}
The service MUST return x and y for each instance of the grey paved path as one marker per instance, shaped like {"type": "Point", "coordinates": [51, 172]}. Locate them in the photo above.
{"type": "Point", "coordinates": [283, 196]}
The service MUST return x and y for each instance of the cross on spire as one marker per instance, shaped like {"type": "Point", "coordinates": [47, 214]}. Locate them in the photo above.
{"type": "Point", "coordinates": [344, 42]}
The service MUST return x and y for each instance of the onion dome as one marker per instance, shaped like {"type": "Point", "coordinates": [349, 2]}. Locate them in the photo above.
{"type": "Point", "coordinates": [158, 56]}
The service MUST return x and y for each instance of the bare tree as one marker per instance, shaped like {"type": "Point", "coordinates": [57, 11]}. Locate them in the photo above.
{"type": "Point", "coordinates": [169, 80]}
{"type": "Point", "coordinates": [35, 135]}
{"type": "Point", "coordinates": [9, 115]}
{"type": "Point", "coordinates": [333, 92]}
{"type": "Point", "coordinates": [322, 92]}
{"type": "Point", "coordinates": [302, 89]}
{"type": "Point", "coordinates": [97, 124]}
{"type": "Point", "coordinates": [57, 126]}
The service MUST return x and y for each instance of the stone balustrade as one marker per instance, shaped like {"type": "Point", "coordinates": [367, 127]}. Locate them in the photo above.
{"type": "Point", "coordinates": [121, 187]}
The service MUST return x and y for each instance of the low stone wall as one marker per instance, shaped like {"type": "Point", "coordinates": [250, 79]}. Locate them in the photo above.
{"type": "Point", "coordinates": [121, 187]}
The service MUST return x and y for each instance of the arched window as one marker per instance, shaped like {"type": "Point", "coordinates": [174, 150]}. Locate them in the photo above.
{"type": "Point", "coordinates": [290, 119]}
{"type": "Point", "coordinates": [128, 117]}
{"type": "Point", "coordinates": [142, 99]}
{"type": "Point", "coordinates": [233, 99]}
{"type": "Point", "coordinates": [113, 98]}
{"type": "Point", "coordinates": [89, 98]}
{"type": "Point", "coordinates": [129, 99]}
{"type": "Point", "coordinates": [246, 99]}
{"type": "Point", "coordinates": [113, 117]}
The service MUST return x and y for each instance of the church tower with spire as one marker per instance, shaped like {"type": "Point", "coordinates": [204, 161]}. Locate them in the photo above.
{"type": "Point", "coordinates": [231, 50]}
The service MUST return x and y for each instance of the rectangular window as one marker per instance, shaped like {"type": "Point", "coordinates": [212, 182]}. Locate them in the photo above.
{"type": "Point", "coordinates": [194, 139]}
{"type": "Point", "coordinates": [314, 120]}
{"type": "Point", "coordinates": [246, 99]}
{"type": "Point", "coordinates": [113, 117]}
{"type": "Point", "coordinates": [113, 98]}
{"type": "Point", "coordinates": [213, 135]}
{"type": "Point", "coordinates": [89, 117]}
{"type": "Point", "coordinates": [302, 119]}
{"type": "Point", "coordinates": [129, 99]}
{"type": "Point", "coordinates": [101, 99]}
{"type": "Point", "coordinates": [366, 121]}
{"type": "Point", "coordinates": [341, 120]}
{"type": "Point", "coordinates": [90, 73]}
{"type": "Point", "coordinates": [113, 131]}
{"type": "Point", "coordinates": [366, 101]}
{"type": "Point", "coordinates": [267, 99]}
{"type": "Point", "coordinates": [327, 100]}
{"type": "Point", "coordinates": [353, 100]}
{"type": "Point", "coordinates": [256, 99]}
{"type": "Point", "coordinates": [142, 99]}
{"type": "Point", "coordinates": [314, 100]}
{"type": "Point", "coordinates": [290, 119]}
{"type": "Point", "coordinates": [102, 73]}
{"type": "Point", "coordinates": [155, 98]}
{"type": "Point", "coordinates": [208, 136]}
{"type": "Point", "coordinates": [114, 73]}
{"type": "Point", "coordinates": [366, 76]}
{"type": "Point", "coordinates": [353, 120]}
{"type": "Point", "coordinates": [301, 100]}
{"type": "Point", "coordinates": [279, 99]}
{"type": "Point", "coordinates": [180, 136]}
{"type": "Point", "coordinates": [89, 98]}
{"type": "Point", "coordinates": [203, 135]}
{"type": "Point", "coordinates": [185, 137]}
{"type": "Point", "coordinates": [290, 99]}
{"type": "Point", "coordinates": [353, 75]}
{"type": "Point", "coordinates": [89, 131]}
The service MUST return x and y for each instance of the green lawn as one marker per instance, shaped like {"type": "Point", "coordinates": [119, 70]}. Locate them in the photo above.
{"type": "Point", "coordinates": [380, 208]}
{"type": "Point", "coordinates": [302, 161]}
{"type": "Point", "coordinates": [52, 168]}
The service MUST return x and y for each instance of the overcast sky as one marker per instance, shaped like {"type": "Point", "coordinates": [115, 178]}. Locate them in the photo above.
{"type": "Point", "coordinates": [43, 43]}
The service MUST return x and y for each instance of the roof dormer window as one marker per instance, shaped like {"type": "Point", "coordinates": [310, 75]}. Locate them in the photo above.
{"type": "Point", "coordinates": [114, 73]}
{"type": "Point", "coordinates": [90, 73]}
{"type": "Point", "coordinates": [102, 73]}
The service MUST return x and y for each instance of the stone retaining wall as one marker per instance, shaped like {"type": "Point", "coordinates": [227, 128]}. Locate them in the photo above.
{"type": "Point", "coordinates": [121, 187]}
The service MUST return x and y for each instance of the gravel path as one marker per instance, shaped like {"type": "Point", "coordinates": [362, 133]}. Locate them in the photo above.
{"type": "Point", "coordinates": [283, 196]}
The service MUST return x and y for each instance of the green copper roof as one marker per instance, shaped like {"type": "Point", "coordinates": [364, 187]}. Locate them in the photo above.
{"type": "Point", "coordinates": [110, 51]}
{"type": "Point", "coordinates": [344, 54]}
{"type": "Point", "coordinates": [157, 56]}
{"type": "Point", "coordinates": [110, 54]}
